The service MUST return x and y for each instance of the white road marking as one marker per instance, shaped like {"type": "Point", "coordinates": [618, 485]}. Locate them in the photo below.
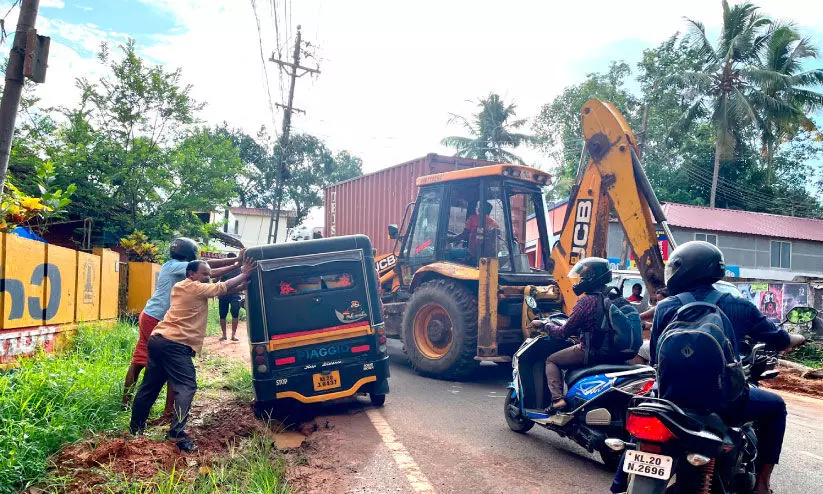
{"type": "Point", "coordinates": [419, 483]}
{"type": "Point", "coordinates": [816, 457]}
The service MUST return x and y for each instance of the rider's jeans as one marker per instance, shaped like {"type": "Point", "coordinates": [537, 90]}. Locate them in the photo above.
{"type": "Point", "coordinates": [765, 408]}
{"type": "Point", "coordinates": [574, 356]}
{"type": "Point", "coordinates": [769, 411]}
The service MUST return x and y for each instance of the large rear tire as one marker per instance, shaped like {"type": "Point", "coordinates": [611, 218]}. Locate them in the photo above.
{"type": "Point", "coordinates": [440, 330]}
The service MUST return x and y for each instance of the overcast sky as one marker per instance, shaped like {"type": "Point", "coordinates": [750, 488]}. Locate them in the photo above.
{"type": "Point", "coordinates": [391, 71]}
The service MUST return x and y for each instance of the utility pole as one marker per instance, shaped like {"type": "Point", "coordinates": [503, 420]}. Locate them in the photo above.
{"type": "Point", "coordinates": [14, 82]}
{"type": "Point", "coordinates": [284, 136]}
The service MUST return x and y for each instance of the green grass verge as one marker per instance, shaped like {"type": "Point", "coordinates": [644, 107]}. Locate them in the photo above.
{"type": "Point", "coordinates": [52, 400]}
{"type": "Point", "coordinates": [810, 355]}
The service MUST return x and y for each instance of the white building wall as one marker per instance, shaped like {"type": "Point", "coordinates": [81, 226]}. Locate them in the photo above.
{"type": "Point", "coordinates": [253, 230]}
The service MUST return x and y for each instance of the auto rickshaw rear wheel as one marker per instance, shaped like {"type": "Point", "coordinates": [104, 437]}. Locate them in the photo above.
{"type": "Point", "coordinates": [377, 400]}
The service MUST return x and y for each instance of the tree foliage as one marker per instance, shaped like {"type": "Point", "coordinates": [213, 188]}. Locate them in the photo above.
{"type": "Point", "coordinates": [493, 132]}
{"type": "Point", "coordinates": [763, 132]}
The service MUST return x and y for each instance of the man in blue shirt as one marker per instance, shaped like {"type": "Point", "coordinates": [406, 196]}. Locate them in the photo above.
{"type": "Point", "coordinates": [693, 267]}
{"type": "Point", "coordinates": [182, 251]}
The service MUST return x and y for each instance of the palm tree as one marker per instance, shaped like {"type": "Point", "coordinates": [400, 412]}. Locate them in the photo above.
{"type": "Point", "coordinates": [492, 131]}
{"type": "Point", "coordinates": [785, 54]}
{"type": "Point", "coordinates": [729, 88]}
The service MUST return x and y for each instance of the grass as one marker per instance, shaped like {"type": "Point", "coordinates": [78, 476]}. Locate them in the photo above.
{"type": "Point", "coordinates": [49, 401]}
{"type": "Point", "coordinates": [810, 355]}
{"type": "Point", "coordinates": [52, 400]}
{"type": "Point", "coordinates": [251, 466]}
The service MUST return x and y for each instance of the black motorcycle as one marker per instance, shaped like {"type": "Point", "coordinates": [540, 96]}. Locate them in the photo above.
{"type": "Point", "coordinates": [679, 451]}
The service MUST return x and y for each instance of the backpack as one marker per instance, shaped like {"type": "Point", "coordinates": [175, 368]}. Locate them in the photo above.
{"type": "Point", "coordinates": [697, 360]}
{"type": "Point", "coordinates": [620, 334]}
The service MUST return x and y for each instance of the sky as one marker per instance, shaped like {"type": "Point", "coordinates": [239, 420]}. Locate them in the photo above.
{"type": "Point", "coordinates": [391, 72]}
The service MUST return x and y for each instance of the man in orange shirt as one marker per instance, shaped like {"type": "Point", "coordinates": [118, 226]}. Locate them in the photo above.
{"type": "Point", "coordinates": [470, 229]}
{"type": "Point", "coordinates": [175, 341]}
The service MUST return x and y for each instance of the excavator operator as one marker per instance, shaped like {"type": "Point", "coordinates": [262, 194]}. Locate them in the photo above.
{"type": "Point", "coordinates": [469, 232]}
{"type": "Point", "coordinates": [592, 275]}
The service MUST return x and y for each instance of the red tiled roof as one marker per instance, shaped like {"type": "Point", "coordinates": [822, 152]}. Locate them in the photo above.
{"type": "Point", "coordinates": [745, 222]}
{"type": "Point", "coordinates": [260, 212]}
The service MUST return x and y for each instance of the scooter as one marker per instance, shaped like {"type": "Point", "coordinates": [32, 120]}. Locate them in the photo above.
{"type": "Point", "coordinates": [597, 396]}
{"type": "Point", "coordinates": [679, 451]}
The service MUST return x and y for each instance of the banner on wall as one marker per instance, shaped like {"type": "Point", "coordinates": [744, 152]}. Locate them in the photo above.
{"type": "Point", "coordinates": [775, 299]}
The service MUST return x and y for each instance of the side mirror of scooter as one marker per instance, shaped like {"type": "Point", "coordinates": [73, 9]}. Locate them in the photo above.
{"type": "Point", "coordinates": [801, 315]}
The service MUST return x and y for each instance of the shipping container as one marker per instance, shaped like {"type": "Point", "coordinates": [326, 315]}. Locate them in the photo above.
{"type": "Point", "coordinates": [368, 204]}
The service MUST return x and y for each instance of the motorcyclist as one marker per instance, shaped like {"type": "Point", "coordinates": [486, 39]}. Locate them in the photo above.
{"type": "Point", "coordinates": [591, 275]}
{"type": "Point", "coordinates": [693, 267]}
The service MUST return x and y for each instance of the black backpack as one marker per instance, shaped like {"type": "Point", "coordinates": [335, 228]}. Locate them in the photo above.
{"type": "Point", "coordinates": [620, 333]}
{"type": "Point", "coordinates": [698, 365]}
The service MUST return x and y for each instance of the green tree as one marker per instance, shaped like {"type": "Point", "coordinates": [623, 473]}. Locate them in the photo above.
{"type": "Point", "coordinates": [493, 132]}
{"type": "Point", "coordinates": [786, 54]}
{"type": "Point", "coordinates": [730, 85]}
{"type": "Point", "coordinates": [558, 126]}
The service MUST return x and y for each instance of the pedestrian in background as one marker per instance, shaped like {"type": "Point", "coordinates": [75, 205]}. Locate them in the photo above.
{"type": "Point", "coordinates": [182, 251]}
{"type": "Point", "coordinates": [174, 343]}
{"type": "Point", "coordinates": [230, 303]}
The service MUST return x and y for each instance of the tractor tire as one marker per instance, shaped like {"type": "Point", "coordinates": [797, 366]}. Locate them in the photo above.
{"type": "Point", "coordinates": [440, 330]}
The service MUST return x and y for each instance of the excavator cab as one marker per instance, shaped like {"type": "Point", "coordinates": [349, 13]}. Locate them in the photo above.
{"type": "Point", "coordinates": [461, 273]}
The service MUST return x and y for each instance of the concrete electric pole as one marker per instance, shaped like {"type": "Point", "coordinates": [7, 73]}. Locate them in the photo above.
{"type": "Point", "coordinates": [284, 136]}
{"type": "Point", "coordinates": [27, 58]}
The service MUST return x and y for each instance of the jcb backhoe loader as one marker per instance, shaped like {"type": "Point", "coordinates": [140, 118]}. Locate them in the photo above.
{"type": "Point", "coordinates": [456, 285]}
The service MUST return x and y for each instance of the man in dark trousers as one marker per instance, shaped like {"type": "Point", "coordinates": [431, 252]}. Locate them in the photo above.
{"type": "Point", "coordinates": [230, 302]}
{"type": "Point", "coordinates": [175, 341]}
{"type": "Point", "coordinates": [181, 251]}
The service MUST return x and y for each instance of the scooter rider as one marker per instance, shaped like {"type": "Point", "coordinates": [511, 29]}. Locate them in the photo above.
{"type": "Point", "coordinates": [693, 267]}
{"type": "Point", "coordinates": [592, 275]}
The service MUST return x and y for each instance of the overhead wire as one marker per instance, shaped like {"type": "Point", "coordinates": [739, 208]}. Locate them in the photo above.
{"type": "Point", "coordinates": [265, 69]}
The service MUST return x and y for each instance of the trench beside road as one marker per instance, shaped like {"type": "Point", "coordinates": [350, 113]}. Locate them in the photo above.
{"type": "Point", "coordinates": [450, 437]}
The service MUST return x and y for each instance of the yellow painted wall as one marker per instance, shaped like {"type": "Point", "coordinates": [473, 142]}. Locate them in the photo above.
{"type": "Point", "coordinates": [87, 300]}
{"type": "Point", "coordinates": [109, 282]}
{"type": "Point", "coordinates": [23, 261]}
{"type": "Point", "coordinates": [61, 285]}
{"type": "Point", "coordinates": [2, 274]}
{"type": "Point", "coordinates": [142, 280]}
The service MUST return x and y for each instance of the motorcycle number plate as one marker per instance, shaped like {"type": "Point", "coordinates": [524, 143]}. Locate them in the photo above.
{"type": "Point", "coordinates": [648, 464]}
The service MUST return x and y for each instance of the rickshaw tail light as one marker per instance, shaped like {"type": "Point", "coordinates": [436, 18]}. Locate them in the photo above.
{"type": "Point", "coordinates": [259, 359]}
{"type": "Point", "coordinates": [382, 340]}
{"type": "Point", "coordinates": [285, 360]}
{"type": "Point", "coordinates": [260, 349]}
{"type": "Point", "coordinates": [360, 349]}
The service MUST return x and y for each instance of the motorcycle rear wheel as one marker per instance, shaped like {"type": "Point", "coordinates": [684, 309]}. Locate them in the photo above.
{"type": "Point", "coordinates": [516, 421]}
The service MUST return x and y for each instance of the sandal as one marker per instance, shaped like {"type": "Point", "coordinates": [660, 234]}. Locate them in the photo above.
{"type": "Point", "coordinates": [222, 338]}
{"type": "Point", "coordinates": [235, 338]}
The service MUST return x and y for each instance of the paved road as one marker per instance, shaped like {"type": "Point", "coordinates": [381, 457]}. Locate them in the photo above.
{"type": "Point", "coordinates": [452, 437]}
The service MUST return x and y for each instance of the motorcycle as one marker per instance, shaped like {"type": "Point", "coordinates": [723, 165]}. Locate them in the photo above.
{"type": "Point", "coordinates": [597, 396]}
{"type": "Point", "coordinates": [680, 451]}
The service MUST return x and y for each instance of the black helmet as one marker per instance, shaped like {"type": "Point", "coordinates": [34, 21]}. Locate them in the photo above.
{"type": "Point", "coordinates": [184, 249]}
{"type": "Point", "coordinates": [693, 264]}
{"type": "Point", "coordinates": [592, 274]}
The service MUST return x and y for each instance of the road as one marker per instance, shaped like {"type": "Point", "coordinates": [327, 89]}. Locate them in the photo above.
{"type": "Point", "coordinates": [450, 437]}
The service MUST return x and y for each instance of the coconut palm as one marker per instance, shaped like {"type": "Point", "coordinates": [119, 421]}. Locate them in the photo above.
{"type": "Point", "coordinates": [492, 132]}
{"type": "Point", "coordinates": [729, 88]}
{"type": "Point", "coordinates": [785, 54]}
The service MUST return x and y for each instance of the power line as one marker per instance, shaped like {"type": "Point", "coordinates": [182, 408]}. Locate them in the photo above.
{"type": "Point", "coordinates": [265, 70]}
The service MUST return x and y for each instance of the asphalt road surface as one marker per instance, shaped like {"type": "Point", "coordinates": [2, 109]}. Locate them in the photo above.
{"type": "Point", "coordinates": [450, 437]}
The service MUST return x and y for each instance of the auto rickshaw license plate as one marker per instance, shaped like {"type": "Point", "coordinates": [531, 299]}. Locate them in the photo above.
{"type": "Point", "coordinates": [323, 382]}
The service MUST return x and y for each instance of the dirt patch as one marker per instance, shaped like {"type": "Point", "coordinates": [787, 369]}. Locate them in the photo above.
{"type": "Point", "coordinates": [215, 425]}
{"type": "Point", "coordinates": [338, 450]}
{"type": "Point", "coordinates": [790, 380]}
{"type": "Point", "coordinates": [234, 350]}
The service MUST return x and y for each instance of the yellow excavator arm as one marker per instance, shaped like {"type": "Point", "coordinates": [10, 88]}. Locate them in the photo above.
{"type": "Point", "coordinates": [613, 179]}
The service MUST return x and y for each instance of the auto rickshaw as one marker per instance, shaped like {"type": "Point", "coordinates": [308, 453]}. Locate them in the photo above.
{"type": "Point", "coordinates": [315, 323]}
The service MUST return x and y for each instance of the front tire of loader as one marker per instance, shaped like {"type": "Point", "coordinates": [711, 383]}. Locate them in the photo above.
{"type": "Point", "coordinates": [440, 330]}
